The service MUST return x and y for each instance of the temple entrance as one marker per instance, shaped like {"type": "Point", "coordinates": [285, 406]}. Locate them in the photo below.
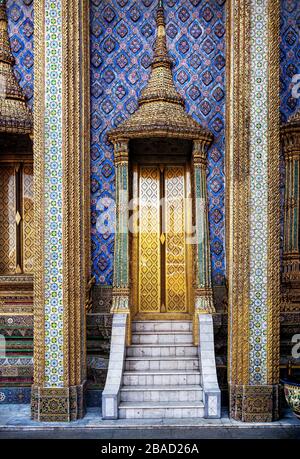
{"type": "Point", "coordinates": [161, 259]}
{"type": "Point", "coordinates": [161, 361]}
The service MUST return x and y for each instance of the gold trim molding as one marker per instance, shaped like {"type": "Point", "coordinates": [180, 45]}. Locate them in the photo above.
{"type": "Point", "coordinates": [75, 202]}
{"type": "Point", "coordinates": [240, 113]}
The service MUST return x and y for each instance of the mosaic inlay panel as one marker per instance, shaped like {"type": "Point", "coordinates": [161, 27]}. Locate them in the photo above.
{"type": "Point", "coordinates": [119, 96]}
{"type": "Point", "coordinates": [290, 55]}
{"type": "Point", "coordinates": [290, 67]}
{"type": "Point", "coordinates": [20, 28]}
{"type": "Point", "coordinates": [53, 196]}
{"type": "Point", "coordinates": [258, 191]}
{"type": "Point", "coordinates": [122, 36]}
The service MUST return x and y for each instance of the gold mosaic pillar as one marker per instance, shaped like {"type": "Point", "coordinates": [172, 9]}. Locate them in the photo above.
{"type": "Point", "coordinates": [61, 160]}
{"type": "Point", "coordinates": [291, 249]}
{"type": "Point", "coordinates": [121, 250]}
{"type": "Point", "coordinates": [253, 210]}
{"type": "Point", "coordinates": [203, 288]}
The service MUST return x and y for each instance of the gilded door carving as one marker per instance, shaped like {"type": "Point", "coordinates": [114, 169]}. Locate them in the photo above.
{"type": "Point", "coordinates": [160, 253]}
{"type": "Point", "coordinates": [175, 250]}
{"type": "Point", "coordinates": [149, 240]}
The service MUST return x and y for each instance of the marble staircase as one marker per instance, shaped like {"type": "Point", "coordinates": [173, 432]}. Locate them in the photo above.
{"type": "Point", "coordinates": [161, 377]}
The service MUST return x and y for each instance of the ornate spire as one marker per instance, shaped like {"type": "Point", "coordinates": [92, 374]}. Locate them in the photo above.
{"type": "Point", "coordinates": [161, 56]}
{"type": "Point", "coordinates": [161, 85]}
{"type": "Point", "coordinates": [15, 117]}
{"type": "Point", "coordinates": [161, 108]}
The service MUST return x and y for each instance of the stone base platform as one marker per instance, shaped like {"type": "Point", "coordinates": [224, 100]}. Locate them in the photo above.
{"type": "Point", "coordinates": [15, 422]}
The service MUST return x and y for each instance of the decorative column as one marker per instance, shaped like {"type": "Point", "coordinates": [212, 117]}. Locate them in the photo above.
{"type": "Point", "coordinates": [121, 325]}
{"type": "Point", "coordinates": [121, 250]}
{"type": "Point", "coordinates": [61, 160]}
{"type": "Point", "coordinates": [204, 304]}
{"type": "Point", "coordinates": [291, 249]}
{"type": "Point", "coordinates": [253, 209]}
{"type": "Point", "coordinates": [203, 286]}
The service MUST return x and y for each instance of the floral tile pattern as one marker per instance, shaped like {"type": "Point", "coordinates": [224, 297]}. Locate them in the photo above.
{"type": "Point", "coordinates": [53, 269]}
{"type": "Point", "coordinates": [122, 35]}
{"type": "Point", "coordinates": [258, 192]}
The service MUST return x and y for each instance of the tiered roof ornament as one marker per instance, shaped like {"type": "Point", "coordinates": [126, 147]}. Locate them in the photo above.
{"type": "Point", "coordinates": [15, 117]}
{"type": "Point", "coordinates": [294, 120]}
{"type": "Point", "coordinates": [161, 109]}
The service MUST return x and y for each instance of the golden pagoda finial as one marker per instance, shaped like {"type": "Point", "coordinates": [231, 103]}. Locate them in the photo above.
{"type": "Point", "coordinates": [161, 56]}
{"type": "Point", "coordinates": [160, 107]}
{"type": "Point", "coordinates": [14, 114]}
{"type": "Point", "coordinates": [160, 85]}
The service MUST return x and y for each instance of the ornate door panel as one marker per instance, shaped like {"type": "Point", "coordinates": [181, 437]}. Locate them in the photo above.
{"type": "Point", "coordinates": [175, 250]}
{"type": "Point", "coordinates": [159, 250]}
{"type": "Point", "coordinates": [149, 257]}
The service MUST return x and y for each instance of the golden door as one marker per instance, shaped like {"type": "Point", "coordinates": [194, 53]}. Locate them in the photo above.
{"type": "Point", "coordinates": [160, 254]}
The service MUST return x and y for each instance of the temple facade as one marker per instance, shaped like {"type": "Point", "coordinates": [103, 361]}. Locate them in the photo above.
{"type": "Point", "coordinates": [149, 193]}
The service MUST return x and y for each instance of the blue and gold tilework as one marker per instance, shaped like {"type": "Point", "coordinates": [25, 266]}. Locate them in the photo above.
{"type": "Point", "coordinates": [21, 32]}
{"type": "Point", "coordinates": [53, 196]}
{"type": "Point", "coordinates": [122, 36]}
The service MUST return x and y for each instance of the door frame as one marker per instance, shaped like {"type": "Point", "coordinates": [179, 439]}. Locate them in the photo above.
{"type": "Point", "coordinates": [202, 296]}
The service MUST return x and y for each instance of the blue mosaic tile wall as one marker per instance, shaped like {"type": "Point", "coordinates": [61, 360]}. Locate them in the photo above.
{"type": "Point", "coordinates": [20, 27]}
{"type": "Point", "coordinates": [290, 55]}
{"type": "Point", "coordinates": [122, 35]}
{"type": "Point", "coordinates": [290, 66]}
{"type": "Point", "coordinates": [15, 395]}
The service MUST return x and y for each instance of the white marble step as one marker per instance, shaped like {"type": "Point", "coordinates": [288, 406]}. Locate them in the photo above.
{"type": "Point", "coordinates": [162, 337]}
{"type": "Point", "coordinates": [161, 363]}
{"type": "Point", "coordinates": [158, 378]}
{"type": "Point", "coordinates": [161, 394]}
{"type": "Point", "coordinates": [153, 410]}
{"type": "Point", "coordinates": [162, 350]}
{"type": "Point", "coordinates": [162, 325]}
